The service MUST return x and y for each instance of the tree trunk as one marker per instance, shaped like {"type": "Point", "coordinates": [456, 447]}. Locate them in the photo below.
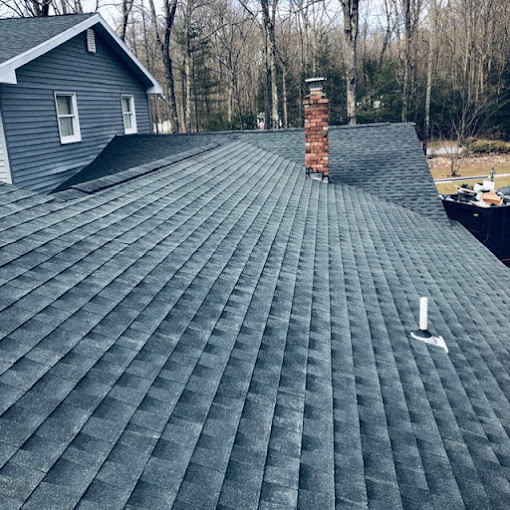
{"type": "Point", "coordinates": [406, 80]}
{"type": "Point", "coordinates": [164, 46]}
{"type": "Point", "coordinates": [127, 5]}
{"type": "Point", "coordinates": [269, 33]}
{"type": "Point", "coordinates": [387, 33]}
{"type": "Point", "coordinates": [230, 102]}
{"type": "Point", "coordinates": [182, 104]}
{"type": "Point", "coordinates": [267, 88]}
{"type": "Point", "coordinates": [149, 64]}
{"type": "Point", "coordinates": [306, 39]}
{"type": "Point", "coordinates": [187, 107]}
{"type": "Point", "coordinates": [351, 26]}
{"type": "Point", "coordinates": [275, 117]}
{"type": "Point", "coordinates": [169, 76]}
{"type": "Point", "coordinates": [195, 100]}
{"type": "Point", "coordinates": [187, 97]}
{"type": "Point", "coordinates": [284, 98]}
{"type": "Point", "coordinates": [430, 65]}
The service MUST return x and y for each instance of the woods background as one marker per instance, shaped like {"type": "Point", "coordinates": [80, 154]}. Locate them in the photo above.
{"type": "Point", "coordinates": [239, 64]}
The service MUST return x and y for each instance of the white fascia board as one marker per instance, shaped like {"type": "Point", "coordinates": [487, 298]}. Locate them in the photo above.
{"type": "Point", "coordinates": [8, 68]}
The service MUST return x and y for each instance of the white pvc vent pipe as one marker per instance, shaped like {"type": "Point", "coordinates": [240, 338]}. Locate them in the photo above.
{"type": "Point", "coordinates": [423, 333]}
{"type": "Point", "coordinates": [424, 310]}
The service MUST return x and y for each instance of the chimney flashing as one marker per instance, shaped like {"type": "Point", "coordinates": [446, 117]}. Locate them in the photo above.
{"type": "Point", "coordinates": [316, 83]}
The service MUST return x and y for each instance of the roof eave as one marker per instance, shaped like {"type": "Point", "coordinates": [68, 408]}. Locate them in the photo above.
{"type": "Point", "coordinates": [8, 76]}
{"type": "Point", "coordinates": [9, 67]}
{"type": "Point", "coordinates": [156, 89]}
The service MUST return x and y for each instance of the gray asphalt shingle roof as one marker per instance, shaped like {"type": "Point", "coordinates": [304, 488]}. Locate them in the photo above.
{"type": "Point", "coordinates": [19, 35]}
{"type": "Point", "coordinates": [385, 159]}
{"type": "Point", "coordinates": [223, 332]}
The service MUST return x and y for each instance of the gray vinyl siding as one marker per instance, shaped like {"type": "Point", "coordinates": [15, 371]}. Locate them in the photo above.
{"type": "Point", "coordinates": [38, 160]}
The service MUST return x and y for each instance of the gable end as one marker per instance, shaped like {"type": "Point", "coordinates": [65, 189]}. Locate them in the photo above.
{"type": "Point", "coordinates": [8, 68]}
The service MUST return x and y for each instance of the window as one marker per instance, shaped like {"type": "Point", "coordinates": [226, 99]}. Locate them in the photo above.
{"type": "Point", "coordinates": [128, 114]}
{"type": "Point", "coordinates": [67, 115]}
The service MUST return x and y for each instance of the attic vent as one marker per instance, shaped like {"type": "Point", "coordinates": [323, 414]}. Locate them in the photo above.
{"type": "Point", "coordinates": [91, 40]}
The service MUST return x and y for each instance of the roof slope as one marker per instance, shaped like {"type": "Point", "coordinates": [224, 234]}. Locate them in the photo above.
{"type": "Point", "coordinates": [22, 34]}
{"type": "Point", "coordinates": [225, 333]}
{"type": "Point", "coordinates": [385, 159]}
{"type": "Point", "coordinates": [125, 152]}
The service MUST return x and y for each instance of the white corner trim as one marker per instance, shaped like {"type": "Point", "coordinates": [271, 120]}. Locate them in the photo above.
{"type": "Point", "coordinates": [3, 143]}
{"type": "Point", "coordinates": [8, 68]}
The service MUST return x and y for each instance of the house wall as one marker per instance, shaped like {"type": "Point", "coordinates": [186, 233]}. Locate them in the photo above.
{"type": "Point", "coordinates": [37, 158]}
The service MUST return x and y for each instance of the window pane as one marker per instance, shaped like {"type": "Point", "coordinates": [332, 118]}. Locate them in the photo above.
{"type": "Point", "coordinates": [126, 105]}
{"type": "Point", "coordinates": [127, 121]}
{"type": "Point", "coordinates": [65, 105]}
{"type": "Point", "coordinates": [66, 126]}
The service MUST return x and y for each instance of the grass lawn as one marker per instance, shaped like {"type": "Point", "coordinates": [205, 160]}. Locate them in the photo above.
{"type": "Point", "coordinates": [470, 166]}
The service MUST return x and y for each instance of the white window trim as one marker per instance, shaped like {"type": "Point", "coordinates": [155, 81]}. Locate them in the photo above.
{"type": "Point", "coordinates": [75, 117]}
{"type": "Point", "coordinates": [134, 128]}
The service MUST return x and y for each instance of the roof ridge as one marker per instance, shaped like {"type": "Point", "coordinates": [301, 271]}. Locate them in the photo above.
{"type": "Point", "coordinates": [276, 131]}
{"type": "Point", "coordinates": [370, 125]}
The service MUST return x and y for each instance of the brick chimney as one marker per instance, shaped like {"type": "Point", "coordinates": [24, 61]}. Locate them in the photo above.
{"type": "Point", "coordinates": [316, 127]}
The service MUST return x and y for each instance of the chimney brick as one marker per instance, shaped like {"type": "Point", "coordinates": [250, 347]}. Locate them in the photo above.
{"type": "Point", "coordinates": [316, 107]}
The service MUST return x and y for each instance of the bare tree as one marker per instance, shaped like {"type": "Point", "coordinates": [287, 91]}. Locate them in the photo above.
{"type": "Point", "coordinates": [27, 8]}
{"type": "Point", "coordinates": [163, 40]}
{"type": "Point", "coordinates": [351, 26]}
{"type": "Point", "coordinates": [430, 65]}
{"type": "Point", "coordinates": [270, 37]}
{"type": "Point", "coordinates": [411, 10]}
{"type": "Point", "coordinates": [224, 61]}
{"type": "Point", "coordinates": [127, 6]}
{"type": "Point", "coordinates": [271, 96]}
